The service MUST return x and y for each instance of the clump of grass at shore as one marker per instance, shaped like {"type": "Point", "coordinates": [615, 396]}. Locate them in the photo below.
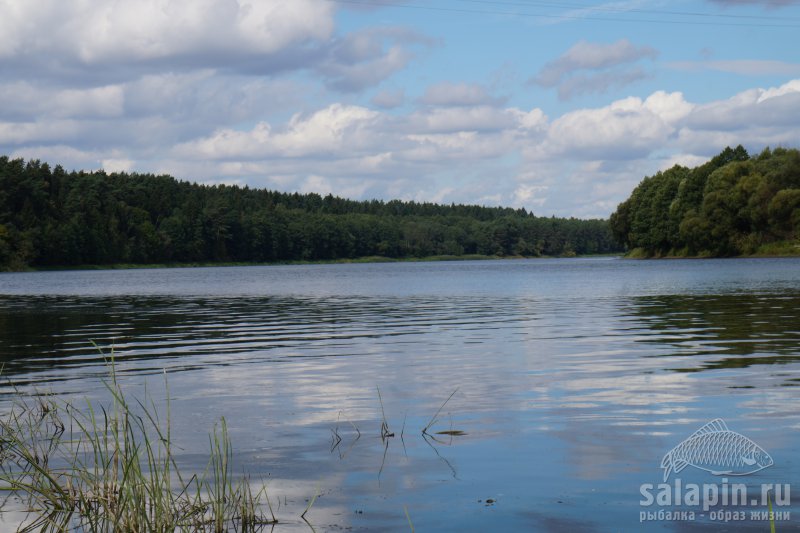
{"type": "Point", "coordinates": [111, 467]}
{"type": "Point", "coordinates": [788, 248]}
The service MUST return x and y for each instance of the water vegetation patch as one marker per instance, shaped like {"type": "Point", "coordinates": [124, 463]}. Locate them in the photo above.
{"type": "Point", "coordinates": [789, 248]}
{"type": "Point", "coordinates": [104, 466]}
{"type": "Point", "coordinates": [111, 467]}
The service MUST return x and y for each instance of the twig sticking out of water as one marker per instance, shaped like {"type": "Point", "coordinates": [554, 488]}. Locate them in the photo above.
{"type": "Point", "coordinates": [435, 417]}
{"type": "Point", "coordinates": [385, 433]}
{"type": "Point", "coordinates": [269, 503]}
{"type": "Point", "coordinates": [311, 502]}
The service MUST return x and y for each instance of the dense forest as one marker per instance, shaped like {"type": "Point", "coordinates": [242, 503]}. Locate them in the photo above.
{"type": "Point", "coordinates": [732, 205]}
{"type": "Point", "coordinates": [50, 217]}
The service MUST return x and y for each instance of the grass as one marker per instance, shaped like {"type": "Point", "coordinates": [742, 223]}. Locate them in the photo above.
{"type": "Point", "coordinates": [111, 467]}
{"type": "Point", "coordinates": [771, 514]}
{"type": "Point", "coordinates": [408, 517]}
{"type": "Point", "coordinates": [778, 249]}
{"type": "Point", "coordinates": [310, 502]}
{"type": "Point", "coordinates": [786, 248]}
{"type": "Point", "coordinates": [385, 433]}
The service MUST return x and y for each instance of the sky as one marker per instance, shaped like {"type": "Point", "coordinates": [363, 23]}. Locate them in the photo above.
{"type": "Point", "coordinates": [557, 107]}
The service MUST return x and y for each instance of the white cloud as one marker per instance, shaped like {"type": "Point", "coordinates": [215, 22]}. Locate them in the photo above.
{"type": "Point", "coordinates": [581, 163]}
{"type": "Point", "coordinates": [68, 156]}
{"type": "Point", "coordinates": [316, 184]}
{"type": "Point", "coordinates": [442, 142]}
{"type": "Point", "coordinates": [790, 87]}
{"type": "Point", "coordinates": [349, 77]}
{"type": "Point", "coordinates": [105, 42]}
{"type": "Point", "coordinates": [476, 118]}
{"type": "Point", "coordinates": [93, 32]}
{"type": "Point", "coordinates": [684, 160]}
{"type": "Point", "coordinates": [117, 165]}
{"type": "Point", "coordinates": [335, 127]}
{"type": "Point", "coordinates": [328, 130]}
{"type": "Point", "coordinates": [756, 108]}
{"type": "Point", "coordinates": [437, 197]}
{"type": "Point", "coordinates": [580, 84]}
{"type": "Point", "coordinates": [744, 67]}
{"type": "Point", "coordinates": [627, 128]}
{"type": "Point", "coordinates": [389, 99]}
{"type": "Point", "coordinates": [533, 120]}
{"type": "Point", "coordinates": [37, 132]}
{"type": "Point", "coordinates": [594, 67]}
{"type": "Point", "coordinates": [24, 100]}
{"type": "Point", "coordinates": [669, 107]}
{"type": "Point", "coordinates": [458, 94]}
{"type": "Point", "coordinates": [229, 143]}
{"type": "Point", "coordinates": [593, 158]}
{"type": "Point", "coordinates": [530, 195]}
{"type": "Point", "coordinates": [591, 56]}
{"type": "Point", "coordinates": [365, 58]}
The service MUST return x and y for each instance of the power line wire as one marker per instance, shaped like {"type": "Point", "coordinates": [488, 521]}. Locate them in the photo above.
{"type": "Point", "coordinates": [556, 17]}
{"type": "Point", "coordinates": [610, 9]}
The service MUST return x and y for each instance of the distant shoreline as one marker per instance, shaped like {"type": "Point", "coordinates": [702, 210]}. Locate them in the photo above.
{"type": "Point", "coordinates": [633, 255]}
{"type": "Point", "coordinates": [369, 259]}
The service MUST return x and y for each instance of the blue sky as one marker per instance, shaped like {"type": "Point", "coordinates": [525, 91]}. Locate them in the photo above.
{"type": "Point", "coordinates": [558, 107]}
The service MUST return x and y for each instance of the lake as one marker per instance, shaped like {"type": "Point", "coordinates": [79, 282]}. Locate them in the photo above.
{"type": "Point", "coordinates": [570, 379]}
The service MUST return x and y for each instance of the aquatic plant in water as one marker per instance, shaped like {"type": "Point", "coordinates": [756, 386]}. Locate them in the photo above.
{"type": "Point", "coordinates": [89, 467]}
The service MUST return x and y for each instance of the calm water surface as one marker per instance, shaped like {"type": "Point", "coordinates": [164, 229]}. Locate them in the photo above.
{"type": "Point", "coordinates": [574, 377]}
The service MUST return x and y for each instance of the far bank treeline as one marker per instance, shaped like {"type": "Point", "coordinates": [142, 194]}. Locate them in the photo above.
{"type": "Point", "coordinates": [49, 217]}
{"type": "Point", "coordinates": [732, 205]}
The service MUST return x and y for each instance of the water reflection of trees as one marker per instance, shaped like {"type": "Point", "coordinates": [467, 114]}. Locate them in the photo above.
{"type": "Point", "coordinates": [722, 331]}
{"type": "Point", "coordinates": [38, 333]}
{"type": "Point", "coordinates": [48, 332]}
{"type": "Point", "coordinates": [45, 333]}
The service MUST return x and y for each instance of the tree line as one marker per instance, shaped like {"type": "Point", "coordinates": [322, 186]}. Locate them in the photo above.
{"type": "Point", "coordinates": [734, 204]}
{"type": "Point", "coordinates": [51, 217]}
